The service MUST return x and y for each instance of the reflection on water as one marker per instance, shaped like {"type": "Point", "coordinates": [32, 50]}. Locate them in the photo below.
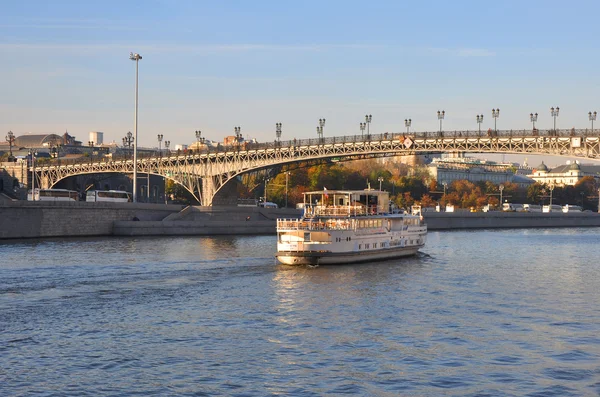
{"type": "Point", "coordinates": [510, 312]}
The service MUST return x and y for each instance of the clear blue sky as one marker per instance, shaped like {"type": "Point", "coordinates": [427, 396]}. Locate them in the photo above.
{"type": "Point", "coordinates": [213, 65]}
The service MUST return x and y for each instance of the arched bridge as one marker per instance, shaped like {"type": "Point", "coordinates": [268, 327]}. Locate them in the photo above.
{"type": "Point", "coordinates": [203, 173]}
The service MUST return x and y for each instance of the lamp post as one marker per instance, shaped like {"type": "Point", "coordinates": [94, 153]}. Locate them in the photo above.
{"type": "Point", "coordinates": [380, 179]}
{"type": "Point", "coordinates": [32, 154]}
{"type": "Point", "coordinates": [592, 117]}
{"type": "Point", "coordinates": [551, 190]}
{"type": "Point", "coordinates": [495, 115]}
{"type": "Point", "coordinates": [407, 124]}
{"type": "Point", "coordinates": [362, 129]}
{"type": "Point", "coordinates": [135, 57]}
{"type": "Point", "coordinates": [266, 183]}
{"type": "Point", "coordinates": [533, 118]}
{"type": "Point", "coordinates": [368, 119]}
{"type": "Point", "coordinates": [91, 145]}
{"type": "Point", "coordinates": [160, 138]}
{"type": "Point", "coordinates": [287, 174]}
{"type": "Point", "coordinates": [440, 118]}
{"type": "Point", "coordinates": [501, 188]}
{"type": "Point", "coordinates": [167, 144]}
{"type": "Point", "coordinates": [198, 137]}
{"type": "Point", "coordinates": [10, 138]}
{"type": "Point", "coordinates": [128, 140]}
{"type": "Point", "coordinates": [320, 130]}
{"type": "Point", "coordinates": [278, 131]}
{"type": "Point", "coordinates": [445, 184]}
{"type": "Point", "coordinates": [554, 113]}
{"type": "Point", "coordinates": [479, 119]}
{"type": "Point", "coordinates": [238, 134]}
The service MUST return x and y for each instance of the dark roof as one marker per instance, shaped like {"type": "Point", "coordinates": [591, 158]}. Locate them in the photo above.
{"type": "Point", "coordinates": [589, 169]}
{"type": "Point", "coordinates": [542, 167]}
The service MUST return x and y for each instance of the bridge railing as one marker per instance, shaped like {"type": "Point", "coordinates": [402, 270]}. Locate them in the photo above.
{"type": "Point", "coordinates": [127, 156]}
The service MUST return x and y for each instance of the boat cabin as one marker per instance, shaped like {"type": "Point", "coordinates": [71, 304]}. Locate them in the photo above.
{"type": "Point", "coordinates": [345, 203]}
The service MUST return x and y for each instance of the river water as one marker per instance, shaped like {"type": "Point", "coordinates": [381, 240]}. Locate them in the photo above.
{"type": "Point", "coordinates": [481, 313]}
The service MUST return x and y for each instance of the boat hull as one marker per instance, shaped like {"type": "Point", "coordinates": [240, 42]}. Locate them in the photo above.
{"type": "Point", "coordinates": [339, 258]}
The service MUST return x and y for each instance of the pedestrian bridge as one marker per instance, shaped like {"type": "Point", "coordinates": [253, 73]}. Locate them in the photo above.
{"type": "Point", "coordinates": [205, 172]}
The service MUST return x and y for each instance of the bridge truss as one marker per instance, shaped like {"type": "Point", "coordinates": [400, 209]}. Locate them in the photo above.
{"type": "Point", "coordinates": [204, 173]}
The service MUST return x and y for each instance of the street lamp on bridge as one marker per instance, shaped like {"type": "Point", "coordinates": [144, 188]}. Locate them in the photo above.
{"type": "Point", "coordinates": [128, 140]}
{"type": "Point", "coordinates": [440, 118]}
{"type": "Point", "coordinates": [407, 124]}
{"type": "Point", "coordinates": [198, 137]}
{"type": "Point", "coordinates": [278, 131]}
{"type": "Point", "coordinates": [135, 57]}
{"type": "Point", "coordinates": [592, 117]}
{"type": "Point", "coordinates": [10, 138]}
{"type": "Point", "coordinates": [160, 138]}
{"type": "Point", "coordinates": [495, 115]}
{"type": "Point", "coordinates": [238, 134]}
{"type": "Point", "coordinates": [554, 113]}
{"type": "Point", "coordinates": [167, 144]}
{"type": "Point", "coordinates": [368, 119]}
{"type": "Point", "coordinates": [533, 118]}
{"type": "Point", "coordinates": [320, 130]}
{"type": "Point", "coordinates": [362, 129]}
{"type": "Point", "coordinates": [479, 119]}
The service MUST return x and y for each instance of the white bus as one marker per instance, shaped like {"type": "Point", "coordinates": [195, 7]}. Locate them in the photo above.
{"type": "Point", "coordinates": [552, 208]}
{"type": "Point", "coordinates": [571, 208]}
{"type": "Point", "coordinates": [510, 207]}
{"type": "Point", "coordinates": [115, 196]}
{"type": "Point", "coordinates": [53, 195]}
{"type": "Point", "coordinates": [532, 208]}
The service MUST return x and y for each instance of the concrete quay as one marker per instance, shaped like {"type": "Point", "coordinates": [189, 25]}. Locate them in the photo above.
{"type": "Point", "coordinates": [23, 219]}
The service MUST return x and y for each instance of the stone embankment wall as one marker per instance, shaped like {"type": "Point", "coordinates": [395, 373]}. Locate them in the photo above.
{"type": "Point", "coordinates": [27, 219]}
{"type": "Point", "coordinates": [210, 221]}
{"type": "Point", "coordinates": [498, 219]}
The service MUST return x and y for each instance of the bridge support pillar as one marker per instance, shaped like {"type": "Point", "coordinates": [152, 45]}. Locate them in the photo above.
{"type": "Point", "coordinates": [208, 191]}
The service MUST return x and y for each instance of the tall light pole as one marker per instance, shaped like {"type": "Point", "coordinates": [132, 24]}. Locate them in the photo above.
{"type": "Point", "coordinates": [479, 119]}
{"type": "Point", "coordinates": [445, 184]}
{"type": "Point", "coordinates": [278, 131]}
{"type": "Point", "coordinates": [495, 115]}
{"type": "Point", "coordinates": [380, 179]}
{"type": "Point", "coordinates": [91, 144]}
{"type": "Point", "coordinates": [592, 117]}
{"type": "Point", "coordinates": [238, 134]}
{"type": "Point", "coordinates": [368, 119]}
{"type": "Point", "coordinates": [167, 144]}
{"type": "Point", "coordinates": [407, 124]}
{"type": "Point", "coordinates": [533, 118]}
{"type": "Point", "coordinates": [362, 129]}
{"type": "Point", "coordinates": [554, 113]}
{"type": "Point", "coordinates": [160, 138]}
{"type": "Point", "coordinates": [10, 138]}
{"type": "Point", "coordinates": [551, 190]}
{"type": "Point", "coordinates": [135, 57]}
{"type": "Point", "coordinates": [440, 118]}
{"type": "Point", "coordinates": [320, 130]}
{"type": "Point", "coordinates": [501, 187]}
{"type": "Point", "coordinates": [266, 183]}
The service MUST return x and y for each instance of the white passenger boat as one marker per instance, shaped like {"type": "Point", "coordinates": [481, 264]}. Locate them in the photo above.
{"type": "Point", "coordinates": [340, 227]}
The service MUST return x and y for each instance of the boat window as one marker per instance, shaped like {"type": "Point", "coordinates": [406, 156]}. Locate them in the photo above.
{"type": "Point", "coordinates": [306, 236]}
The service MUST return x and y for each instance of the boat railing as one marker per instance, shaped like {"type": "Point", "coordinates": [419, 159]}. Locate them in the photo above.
{"type": "Point", "coordinates": [308, 224]}
{"type": "Point", "coordinates": [340, 211]}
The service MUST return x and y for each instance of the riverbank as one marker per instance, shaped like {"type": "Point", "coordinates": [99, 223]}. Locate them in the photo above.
{"type": "Point", "coordinates": [23, 219]}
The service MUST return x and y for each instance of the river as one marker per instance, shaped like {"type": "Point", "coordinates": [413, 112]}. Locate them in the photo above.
{"type": "Point", "coordinates": [477, 313]}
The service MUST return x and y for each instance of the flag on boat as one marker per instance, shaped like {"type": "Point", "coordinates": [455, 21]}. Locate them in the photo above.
{"type": "Point", "coordinates": [325, 190]}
